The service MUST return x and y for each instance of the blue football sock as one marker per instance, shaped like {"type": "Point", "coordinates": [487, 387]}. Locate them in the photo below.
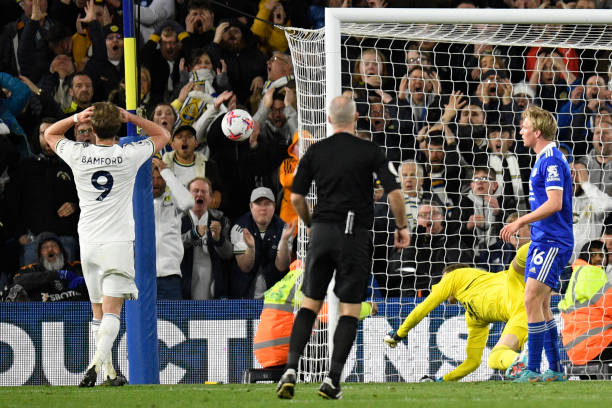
{"type": "Point", "coordinates": [551, 345]}
{"type": "Point", "coordinates": [535, 341]}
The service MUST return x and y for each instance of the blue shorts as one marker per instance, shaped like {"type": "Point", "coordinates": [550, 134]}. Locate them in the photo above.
{"type": "Point", "coordinates": [545, 263]}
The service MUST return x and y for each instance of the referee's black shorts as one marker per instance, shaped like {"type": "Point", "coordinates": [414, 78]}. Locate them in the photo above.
{"type": "Point", "coordinates": [331, 249]}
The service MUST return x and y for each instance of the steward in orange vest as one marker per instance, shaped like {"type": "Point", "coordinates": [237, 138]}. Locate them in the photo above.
{"type": "Point", "coordinates": [587, 308]}
{"type": "Point", "coordinates": [271, 342]}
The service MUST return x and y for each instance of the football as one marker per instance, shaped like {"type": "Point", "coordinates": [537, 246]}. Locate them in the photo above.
{"type": "Point", "coordinates": [237, 125]}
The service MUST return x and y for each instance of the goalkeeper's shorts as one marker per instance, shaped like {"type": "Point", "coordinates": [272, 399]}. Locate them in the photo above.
{"type": "Point", "coordinates": [331, 249]}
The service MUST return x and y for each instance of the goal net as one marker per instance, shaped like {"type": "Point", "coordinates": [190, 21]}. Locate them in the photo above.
{"type": "Point", "coordinates": [442, 92]}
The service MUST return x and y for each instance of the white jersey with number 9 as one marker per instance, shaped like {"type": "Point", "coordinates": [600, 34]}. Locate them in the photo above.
{"type": "Point", "coordinates": [104, 178]}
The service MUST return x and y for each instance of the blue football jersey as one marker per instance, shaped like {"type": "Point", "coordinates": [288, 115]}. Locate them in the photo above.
{"type": "Point", "coordinates": [551, 171]}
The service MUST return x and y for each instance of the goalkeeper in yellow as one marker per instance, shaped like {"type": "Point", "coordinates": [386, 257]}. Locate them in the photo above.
{"type": "Point", "coordinates": [486, 297]}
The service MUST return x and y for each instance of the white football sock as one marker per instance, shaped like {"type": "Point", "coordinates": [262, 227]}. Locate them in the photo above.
{"type": "Point", "coordinates": [107, 333]}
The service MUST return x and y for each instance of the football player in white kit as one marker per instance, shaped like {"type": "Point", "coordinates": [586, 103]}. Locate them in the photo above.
{"type": "Point", "coordinates": [104, 174]}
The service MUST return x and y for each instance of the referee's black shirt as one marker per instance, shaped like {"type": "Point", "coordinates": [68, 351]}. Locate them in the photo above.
{"type": "Point", "coordinates": [341, 167]}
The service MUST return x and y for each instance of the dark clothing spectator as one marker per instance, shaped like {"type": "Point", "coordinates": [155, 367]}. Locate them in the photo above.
{"type": "Point", "coordinates": [105, 75]}
{"type": "Point", "coordinates": [192, 240]}
{"type": "Point", "coordinates": [245, 285]}
{"type": "Point", "coordinates": [39, 187]}
{"type": "Point", "coordinates": [51, 278]}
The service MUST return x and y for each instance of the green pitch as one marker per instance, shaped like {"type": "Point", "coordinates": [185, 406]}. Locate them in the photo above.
{"type": "Point", "coordinates": [429, 395]}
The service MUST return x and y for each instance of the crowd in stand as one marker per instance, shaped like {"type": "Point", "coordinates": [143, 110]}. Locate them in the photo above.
{"type": "Point", "coordinates": [447, 116]}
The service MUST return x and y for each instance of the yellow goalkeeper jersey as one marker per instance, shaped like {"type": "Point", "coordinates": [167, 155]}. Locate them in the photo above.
{"type": "Point", "coordinates": [486, 297]}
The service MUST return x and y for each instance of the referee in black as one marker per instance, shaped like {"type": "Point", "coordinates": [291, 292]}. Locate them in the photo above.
{"type": "Point", "coordinates": [342, 168]}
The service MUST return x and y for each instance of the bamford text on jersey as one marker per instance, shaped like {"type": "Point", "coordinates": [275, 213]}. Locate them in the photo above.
{"type": "Point", "coordinates": [108, 161]}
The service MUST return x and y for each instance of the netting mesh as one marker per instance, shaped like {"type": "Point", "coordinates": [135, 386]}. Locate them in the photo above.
{"type": "Point", "coordinates": [445, 103]}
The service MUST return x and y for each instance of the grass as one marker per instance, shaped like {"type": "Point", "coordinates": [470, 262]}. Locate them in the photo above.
{"type": "Point", "coordinates": [428, 395]}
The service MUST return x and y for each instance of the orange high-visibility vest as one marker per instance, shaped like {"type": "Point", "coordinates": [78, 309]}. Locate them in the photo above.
{"type": "Point", "coordinates": [587, 313]}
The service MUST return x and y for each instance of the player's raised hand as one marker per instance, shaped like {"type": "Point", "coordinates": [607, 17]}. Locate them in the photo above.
{"type": "Point", "coordinates": [125, 115]}
{"type": "Point", "coordinates": [85, 116]}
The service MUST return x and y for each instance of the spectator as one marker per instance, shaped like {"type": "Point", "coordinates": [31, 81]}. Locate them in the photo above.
{"type": "Point", "coordinates": [106, 66]}
{"type": "Point", "coordinates": [507, 166]}
{"type": "Point", "coordinates": [56, 82]}
{"type": "Point", "coordinates": [599, 158]}
{"type": "Point", "coordinates": [590, 206]}
{"type": "Point", "coordinates": [442, 169]}
{"type": "Point", "coordinates": [43, 198]}
{"type": "Point", "coordinates": [585, 308]}
{"type": "Point", "coordinates": [199, 86]}
{"type": "Point", "coordinates": [384, 131]}
{"type": "Point", "coordinates": [494, 95]}
{"type": "Point", "coordinates": [188, 164]}
{"type": "Point", "coordinates": [83, 132]}
{"type": "Point", "coordinates": [11, 107]}
{"type": "Point", "coordinates": [246, 65]}
{"type": "Point", "coordinates": [262, 247]}
{"type": "Point", "coordinates": [51, 278]}
{"type": "Point", "coordinates": [242, 165]}
{"type": "Point", "coordinates": [34, 62]}
{"type": "Point", "coordinates": [146, 102]}
{"type": "Point", "coordinates": [199, 24]}
{"type": "Point", "coordinates": [416, 93]}
{"type": "Point", "coordinates": [481, 214]}
{"type": "Point", "coordinates": [523, 95]}
{"type": "Point", "coordinates": [280, 74]}
{"type": "Point", "coordinates": [471, 134]}
{"type": "Point", "coordinates": [206, 238]}
{"type": "Point", "coordinates": [81, 91]}
{"type": "Point", "coordinates": [575, 116]}
{"type": "Point", "coordinates": [271, 13]}
{"type": "Point", "coordinates": [170, 200]}
{"type": "Point", "coordinates": [431, 248]}
{"type": "Point", "coordinates": [277, 117]}
{"type": "Point", "coordinates": [164, 115]}
{"type": "Point", "coordinates": [161, 55]}
{"type": "Point", "coordinates": [33, 24]}
{"type": "Point", "coordinates": [550, 80]}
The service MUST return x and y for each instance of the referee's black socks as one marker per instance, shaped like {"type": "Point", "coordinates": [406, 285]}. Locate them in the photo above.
{"type": "Point", "coordinates": [300, 334]}
{"type": "Point", "coordinates": [343, 342]}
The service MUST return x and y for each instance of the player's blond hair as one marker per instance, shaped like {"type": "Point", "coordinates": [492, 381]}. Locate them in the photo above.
{"type": "Point", "coordinates": [541, 120]}
{"type": "Point", "coordinates": [106, 120]}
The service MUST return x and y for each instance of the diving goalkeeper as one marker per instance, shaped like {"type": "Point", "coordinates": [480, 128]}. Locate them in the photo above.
{"type": "Point", "coordinates": [487, 297]}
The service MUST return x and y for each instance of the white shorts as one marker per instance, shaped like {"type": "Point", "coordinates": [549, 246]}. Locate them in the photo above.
{"type": "Point", "coordinates": [109, 270]}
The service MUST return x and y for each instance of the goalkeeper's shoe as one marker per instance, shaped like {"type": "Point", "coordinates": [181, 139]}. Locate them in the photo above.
{"type": "Point", "coordinates": [517, 366]}
{"type": "Point", "coordinates": [91, 375]}
{"type": "Point", "coordinates": [552, 376]}
{"type": "Point", "coordinates": [286, 385]}
{"type": "Point", "coordinates": [328, 391]}
{"type": "Point", "coordinates": [391, 339]}
{"type": "Point", "coordinates": [118, 381]}
{"type": "Point", "coordinates": [528, 376]}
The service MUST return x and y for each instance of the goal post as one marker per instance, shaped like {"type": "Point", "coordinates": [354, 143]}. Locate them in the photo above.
{"type": "Point", "coordinates": [323, 60]}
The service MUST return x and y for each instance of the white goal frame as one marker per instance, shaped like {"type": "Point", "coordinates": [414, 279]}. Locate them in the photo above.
{"type": "Point", "coordinates": [386, 17]}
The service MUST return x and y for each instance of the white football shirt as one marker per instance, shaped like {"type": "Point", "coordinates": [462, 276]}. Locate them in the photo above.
{"type": "Point", "coordinates": [104, 178]}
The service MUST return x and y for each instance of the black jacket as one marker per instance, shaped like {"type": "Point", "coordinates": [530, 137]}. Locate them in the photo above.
{"type": "Point", "coordinates": [38, 188]}
{"type": "Point", "coordinates": [219, 267]}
